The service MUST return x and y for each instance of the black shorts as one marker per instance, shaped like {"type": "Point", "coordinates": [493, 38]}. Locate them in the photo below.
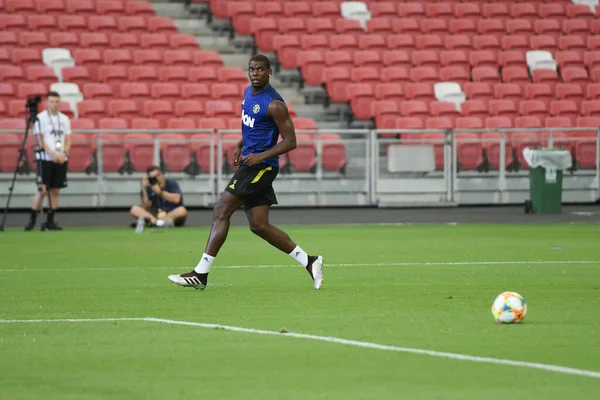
{"type": "Point", "coordinates": [254, 185]}
{"type": "Point", "coordinates": [53, 175]}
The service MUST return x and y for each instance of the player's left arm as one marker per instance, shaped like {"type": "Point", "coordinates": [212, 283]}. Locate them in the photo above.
{"type": "Point", "coordinates": [174, 196]}
{"type": "Point", "coordinates": [67, 133]}
{"type": "Point", "coordinates": [279, 112]}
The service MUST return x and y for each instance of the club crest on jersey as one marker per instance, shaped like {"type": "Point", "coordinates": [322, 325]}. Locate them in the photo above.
{"type": "Point", "coordinates": [247, 120]}
{"type": "Point", "coordinates": [256, 109]}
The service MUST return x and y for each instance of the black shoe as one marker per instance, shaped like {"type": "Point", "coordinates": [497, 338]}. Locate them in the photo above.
{"type": "Point", "coordinates": [51, 226]}
{"type": "Point", "coordinates": [30, 225]}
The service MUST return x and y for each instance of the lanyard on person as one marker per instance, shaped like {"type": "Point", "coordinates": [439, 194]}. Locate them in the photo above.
{"type": "Point", "coordinates": [58, 143]}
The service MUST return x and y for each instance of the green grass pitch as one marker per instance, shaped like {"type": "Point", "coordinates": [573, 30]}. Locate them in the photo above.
{"type": "Point", "coordinates": [414, 286]}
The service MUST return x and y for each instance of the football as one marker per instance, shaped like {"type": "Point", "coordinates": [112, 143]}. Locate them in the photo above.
{"type": "Point", "coordinates": [509, 308]}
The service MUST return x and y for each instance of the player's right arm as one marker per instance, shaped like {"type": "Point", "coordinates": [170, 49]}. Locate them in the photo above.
{"type": "Point", "coordinates": [145, 201]}
{"type": "Point", "coordinates": [237, 153]}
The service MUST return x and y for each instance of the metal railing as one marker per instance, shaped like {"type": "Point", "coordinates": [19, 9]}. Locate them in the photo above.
{"type": "Point", "coordinates": [365, 173]}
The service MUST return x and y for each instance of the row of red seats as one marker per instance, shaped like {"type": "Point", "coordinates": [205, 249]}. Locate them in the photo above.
{"type": "Point", "coordinates": [97, 40]}
{"type": "Point", "coordinates": [528, 9]}
{"type": "Point", "coordinates": [436, 42]}
{"type": "Point", "coordinates": [363, 96]}
{"type": "Point", "coordinates": [176, 150]}
{"type": "Point", "coordinates": [79, 7]}
{"type": "Point", "coordinates": [472, 26]}
{"type": "Point", "coordinates": [141, 73]}
{"type": "Point", "coordinates": [150, 123]}
{"type": "Point", "coordinates": [459, 58]}
{"type": "Point", "coordinates": [495, 26]}
{"type": "Point", "coordinates": [81, 23]}
{"type": "Point", "coordinates": [329, 9]}
{"type": "Point", "coordinates": [533, 91]}
{"type": "Point", "coordinates": [452, 58]}
{"type": "Point", "coordinates": [471, 146]}
{"type": "Point", "coordinates": [481, 91]}
{"type": "Point", "coordinates": [336, 79]}
{"type": "Point", "coordinates": [386, 112]}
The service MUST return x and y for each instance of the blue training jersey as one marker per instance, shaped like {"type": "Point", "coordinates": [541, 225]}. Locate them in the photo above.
{"type": "Point", "coordinates": [259, 131]}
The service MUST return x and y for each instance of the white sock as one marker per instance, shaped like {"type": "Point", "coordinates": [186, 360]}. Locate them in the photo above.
{"type": "Point", "coordinates": [299, 255]}
{"type": "Point", "coordinates": [205, 263]}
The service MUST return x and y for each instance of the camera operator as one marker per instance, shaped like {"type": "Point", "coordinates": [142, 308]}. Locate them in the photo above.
{"type": "Point", "coordinates": [162, 201]}
{"type": "Point", "coordinates": [53, 133]}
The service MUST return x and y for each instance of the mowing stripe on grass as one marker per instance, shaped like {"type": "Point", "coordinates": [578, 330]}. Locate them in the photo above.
{"type": "Point", "coordinates": [381, 264]}
{"type": "Point", "coordinates": [330, 339]}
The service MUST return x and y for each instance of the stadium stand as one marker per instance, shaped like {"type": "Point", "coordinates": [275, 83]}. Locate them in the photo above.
{"type": "Point", "coordinates": [392, 64]}
{"type": "Point", "coordinates": [121, 62]}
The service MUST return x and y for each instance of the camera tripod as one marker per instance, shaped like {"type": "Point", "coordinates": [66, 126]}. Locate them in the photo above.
{"type": "Point", "coordinates": [31, 107]}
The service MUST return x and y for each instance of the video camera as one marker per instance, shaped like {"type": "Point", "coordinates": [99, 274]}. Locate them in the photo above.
{"type": "Point", "coordinates": [33, 103]}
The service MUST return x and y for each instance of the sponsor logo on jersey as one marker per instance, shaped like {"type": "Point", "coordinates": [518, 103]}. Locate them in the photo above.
{"type": "Point", "coordinates": [247, 120]}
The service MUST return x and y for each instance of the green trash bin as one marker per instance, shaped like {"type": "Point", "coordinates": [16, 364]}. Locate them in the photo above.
{"type": "Point", "coordinates": [545, 179]}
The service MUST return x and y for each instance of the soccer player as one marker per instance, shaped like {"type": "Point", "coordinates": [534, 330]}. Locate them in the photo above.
{"type": "Point", "coordinates": [256, 161]}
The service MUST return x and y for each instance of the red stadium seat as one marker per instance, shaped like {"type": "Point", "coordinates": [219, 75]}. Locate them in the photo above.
{"type": "Point", "coordinates": [78, 75]}
{"type": "Point", "coordinates": [568, 58]}
{"type": "Point", "coordinates": [219, 109]}
{"type": "Point", "coordinates": [91, 109]}
{"type": "Point", "coordinates": [263, 30]}
{"type": "Point", "coordinates": [492, 143]}
{"type": "Point", "coordinates": [125, 109]}
{"type": "Point", "coordinates": [96, 40]}
{"type": "Point", "coordinates": [148, 57]}
{"type": "Point", "coordinates": [181, 41]}
{"type": "Point", "coordinates": [114, 7]}
{"type": "Point", "coordinates": [161, 110]}
{"type": "Point", "coordinates": [286, 46]}
{"type": "Point", "coordinates": [348, 26]}
{"type": "Point", "coordinates": [139, 8]}
{"type": "Point", "coordinates": [142, 73]}
{"type": "Point", "coordinates": [585, 147]}
{"type": "Point", "coordinates": [41, 74]}
{"type": "Point", "coordinates": [195, 91]}
{"type": "Point", "coordinates": [385, 91]}
{"type": "Point", "coordinates": [508, 91]}
{"type": "Point", "coordinates": [161, 25]}
{"type": "Point", "coordinates": [81, 7]}
{"type": "Point", "coordinates": [419, 91]}
{"type": "Point", "coordinates": [475, 108]}
{"type": "Point", "coordinates": [343, 42]}
{"type": "Point", "coordinates": [502, 108]}
{"type": "Point", "coordinates": [34, 40]}
{"type": "Point", "coordinates": [569, 91]}
{"type": "Point", "coordinates": [533, 108]}
{"type": "Point", "coordinates": [361, 96]}
{"type": "Point", "coordinates": [478, 91]}
{"type": "Point", "coordinates": [311, 64]}
{"type": "Point", "coordinates": [51, 7]}
{"type": "Point", "coordinates": [385, 113]}
{"type": "Point", "coordinates": [565, 108]}
{"type": "Point", "coordinates": [189, 109]}
{"type": "Point", "coordinates": [175, 151]}
{"type": "Point", "coordinates": [491, 27]}
{"type": "Point", "coordinates": [102, 23]}
{"type": "Point", "coordinates": [539, 91]}
{"type": "Point", "coordinates": [154, 41]}
{"type": "Point", "coordinates": [336, 79]}
{"type": "Point", "coordinates": [132, 24]}
{"type": "Point", "coordinates": [207, 58]}
{"type": "Point", "coordinates": [456, 74]}
{"type": "Point", "coordinates": [206, 75]}
{"type": "Point", "coordinates": [290, 26]}
{"type": "Point", "coordinates": [117, 57]}
{"type": "Point", "coordinates": [165, 91]}
{"type": "Point", "coordinates": [173, 74]}
{"type": "Point", "coordinates": [42, 23]}
{"type": "Point", "coordinates": [485, 74]}
{"type": "Point", "coordinates": [225, 91]}
{"type": "Point", "coordinates": [140, 147]}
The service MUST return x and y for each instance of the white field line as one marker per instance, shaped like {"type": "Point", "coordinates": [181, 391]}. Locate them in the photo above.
{"type": "Point", "coordinates": [382, 264]}
{"type": "Point", "coordinates": [330, 339]}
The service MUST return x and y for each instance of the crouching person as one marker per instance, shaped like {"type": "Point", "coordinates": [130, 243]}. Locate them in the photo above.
{"type": "Point", "coordinates": [162, 201]}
